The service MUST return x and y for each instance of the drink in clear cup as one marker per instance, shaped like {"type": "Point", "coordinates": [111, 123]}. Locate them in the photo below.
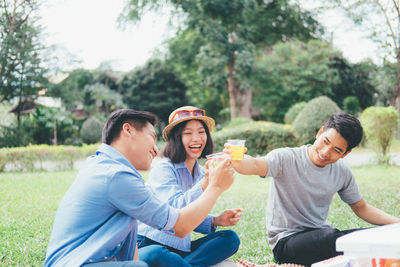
{"type": "Point", "coordinates": [237, 147]}
{"type": "Point", "coordinates": [217, 158]}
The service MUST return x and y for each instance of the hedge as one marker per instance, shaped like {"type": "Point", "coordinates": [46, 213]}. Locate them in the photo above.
{"type": "Point", "coordinates": [261, 136]}
{"type": "Point", "coordinates": [314, 115]}
{"type": "Point", "coordinates": [33, 157]}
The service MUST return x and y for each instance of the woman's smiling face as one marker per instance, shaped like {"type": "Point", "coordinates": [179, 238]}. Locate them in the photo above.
{"type": "Point", "coordinates": [194, 139]}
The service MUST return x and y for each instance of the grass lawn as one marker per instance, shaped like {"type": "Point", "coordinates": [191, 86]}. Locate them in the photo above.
{"type": "Point", "coordinates": [28, 202]}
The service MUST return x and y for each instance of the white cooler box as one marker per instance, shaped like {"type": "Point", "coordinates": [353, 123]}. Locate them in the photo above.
{"type": "Point", "coordinates": [377, 242]}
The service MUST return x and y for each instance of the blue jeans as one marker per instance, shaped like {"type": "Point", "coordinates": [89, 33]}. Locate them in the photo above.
{"type": "Point", "coordinates": [117, 264]}
{"type": "Point", "coordinates": [205, 251]}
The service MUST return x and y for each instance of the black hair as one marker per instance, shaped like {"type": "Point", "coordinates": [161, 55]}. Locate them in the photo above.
{"type": "Point", "coordinates": [348, 126]}
{"type": "Point", "coordinates": [113, 125]}
{"type": "Point", "coordinates": [174, 149]}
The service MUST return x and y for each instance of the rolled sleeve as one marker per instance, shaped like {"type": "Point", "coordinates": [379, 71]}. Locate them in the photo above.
{"type": "Point", "coordinates": [172, 218]}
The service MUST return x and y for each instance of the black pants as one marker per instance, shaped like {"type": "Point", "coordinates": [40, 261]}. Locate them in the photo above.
{"type": "Point", "coordinates": [309, 246]}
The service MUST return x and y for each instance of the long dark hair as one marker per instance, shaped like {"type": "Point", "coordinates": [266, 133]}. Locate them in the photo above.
{"type": "Point", "coordinates": [174, 149]}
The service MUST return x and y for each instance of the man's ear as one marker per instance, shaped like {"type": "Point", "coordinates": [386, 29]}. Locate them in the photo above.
{"type": "Point", "coordinates": [127, 129]}
{"type": "Point", "coordinates": [320, 131]}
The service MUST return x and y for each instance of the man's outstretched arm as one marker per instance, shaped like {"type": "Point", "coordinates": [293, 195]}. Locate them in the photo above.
{"type": "Point", "coordinates": [372, 214]}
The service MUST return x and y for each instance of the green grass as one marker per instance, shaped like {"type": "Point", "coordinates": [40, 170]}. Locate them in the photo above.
{"type": "Point", "coordinates": [28, 202]}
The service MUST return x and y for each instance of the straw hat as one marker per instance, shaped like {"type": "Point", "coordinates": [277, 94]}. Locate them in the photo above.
{"type": "Point", "coordinates": [207, 120]}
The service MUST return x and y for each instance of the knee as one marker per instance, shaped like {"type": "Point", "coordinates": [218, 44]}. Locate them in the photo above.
{"type": "Point", "coordinates": [328, 234]}
{"type": "Point", "coordinates": [231, 239]}
{"type": "Point", "coordinates": [152, 254]}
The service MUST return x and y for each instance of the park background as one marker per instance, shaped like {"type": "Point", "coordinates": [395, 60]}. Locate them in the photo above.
{"type": "Point", "coordinates": [266, 71]}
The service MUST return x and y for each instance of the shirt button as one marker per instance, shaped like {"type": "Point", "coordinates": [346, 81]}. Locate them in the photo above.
{"type": "Point", "coordinates": [118, 245]}
{"type": "Point", "coordinates": [105, 258]}
{"type": "Point", "coordinates": [90, 260]}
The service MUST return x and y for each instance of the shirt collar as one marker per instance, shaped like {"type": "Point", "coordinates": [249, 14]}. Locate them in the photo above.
{"type": "Point", "coordinates": [198, 170]}
{"type": "Point", "coordinates": [114, 154]}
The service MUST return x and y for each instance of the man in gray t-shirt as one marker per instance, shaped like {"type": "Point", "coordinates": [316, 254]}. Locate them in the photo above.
{"type": "Point", "coordinates": [305, 179]}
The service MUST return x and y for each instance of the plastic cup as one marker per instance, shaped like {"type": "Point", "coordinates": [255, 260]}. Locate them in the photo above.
{"type": "Point", "coordinates": [237, 147]}
{"type": "Point", "coordinates": [217, 158]}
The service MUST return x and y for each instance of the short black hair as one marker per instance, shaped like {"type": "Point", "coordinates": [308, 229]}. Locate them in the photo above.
{"type": "Point", "coordinates": [113, 125]}
{"type": "Point", "coordinates": [174, 149]}
{"type": "Point", "coordinates": [348, 126]}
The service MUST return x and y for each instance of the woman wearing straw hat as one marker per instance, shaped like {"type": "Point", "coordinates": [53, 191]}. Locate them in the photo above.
{"type": "Point", "coordinates": [179, 180]}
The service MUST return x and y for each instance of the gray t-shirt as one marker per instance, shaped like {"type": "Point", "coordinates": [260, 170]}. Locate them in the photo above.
{"type": "Point", "coordinates": [300, 192]}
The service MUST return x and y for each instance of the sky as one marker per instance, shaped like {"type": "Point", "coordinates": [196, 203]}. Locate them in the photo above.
{"type": "Point", "coordinates": [87, 29]}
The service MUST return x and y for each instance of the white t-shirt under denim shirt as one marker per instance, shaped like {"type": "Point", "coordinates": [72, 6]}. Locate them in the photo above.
{"type": "Point", "coordinates": [300, 192]}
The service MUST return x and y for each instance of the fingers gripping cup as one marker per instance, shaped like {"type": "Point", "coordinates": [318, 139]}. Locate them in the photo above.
{"type": "Point", "coordinates": [217, 158]}
{"type": "Point", "coordinates": [237, 147]}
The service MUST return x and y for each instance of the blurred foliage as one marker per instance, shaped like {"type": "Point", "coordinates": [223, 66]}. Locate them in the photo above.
{"type": "Point", "coordinates": [70, 90]}
{"type": "Point", "coordinates": [379, 124]}
{"type": "Point", "coordinates": [12, 135]}
{"type": "Point", "coordinates": [91, 130]}
{"type": "Point", "coordinates": [351, 105]}
{"type": "Point", "coordinates": [312, 117]}
{"type": "Point", "coordinates": [293, 111]}
{"type": "Point", "coordinates": [181, 56]}
{"type": "Point", "coordinates": [261, 137]}
{"type": "Point", "coordinates": [153, 87]}
{"type": "Point", "coordinates": [21, 69]}
{"type": "Point", "coordinates": [292, 72]}
{"type": "Point", "coordinates": [32, 157]}
{"type": "Point", "coordinates": [231, 33]}
{"type": "Point", "coordinates": [384, 80]}
{"type": "Point", "coordinates": [354, 80]}
{"type": "Point", "coordinates": [52, 125]}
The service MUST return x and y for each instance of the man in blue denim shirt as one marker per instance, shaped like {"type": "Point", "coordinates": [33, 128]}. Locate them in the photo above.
{"type": "Point", "coordinates": [96, 222]}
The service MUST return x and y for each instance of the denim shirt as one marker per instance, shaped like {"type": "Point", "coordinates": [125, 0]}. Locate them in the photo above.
{"type": "Point", "coordinates": [174, 183]}
{"type": "Point", "coordinates": [97, 218]}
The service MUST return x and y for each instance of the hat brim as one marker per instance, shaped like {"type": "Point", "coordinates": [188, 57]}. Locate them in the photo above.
{"type": "Point", "coordinates": [207, 120]}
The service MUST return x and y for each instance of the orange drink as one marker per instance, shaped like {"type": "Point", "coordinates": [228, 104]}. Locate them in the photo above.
{"type": "Point", "coordinates": [237, 147]}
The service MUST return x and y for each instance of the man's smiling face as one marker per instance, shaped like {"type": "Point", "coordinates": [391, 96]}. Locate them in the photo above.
{"type": "Point", "coordinates": [328, 148]}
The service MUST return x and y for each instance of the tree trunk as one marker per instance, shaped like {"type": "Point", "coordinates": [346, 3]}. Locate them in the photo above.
{"type": "Point", "coordinates": [396, 91]}
{"type": "Point", "coordinates": [240, 102]}
{"type": "Point", "coordinates": [246, 104]}
{"type": "Point", "coordinates": [233, 91]}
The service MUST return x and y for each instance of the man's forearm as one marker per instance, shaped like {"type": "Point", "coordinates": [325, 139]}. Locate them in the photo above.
{"type": "Point", "coordinates": [374, 215]}
{"type": "Point", "coordinates": [193, 214]}
{"type": "Point", "coordinates": [251, 166]}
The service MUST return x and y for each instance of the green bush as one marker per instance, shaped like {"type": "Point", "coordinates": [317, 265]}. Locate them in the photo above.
{"type": "Point", "coordinates": [237, 122]}
{"type": "Point", "coordinates": [312, 117]}
{"type": "Point", "coordinates": [351, 105]}
{"type": "Point", "coordinates": [261, 136]}
{"type": "Point", "coordinates": [33, 156]}
{"type": "Point", "coordinates": [91, 130]}
{"type": "Point", "coordinates": [293, 111]}
{"type": "Point", "coordinates": [379, 124]}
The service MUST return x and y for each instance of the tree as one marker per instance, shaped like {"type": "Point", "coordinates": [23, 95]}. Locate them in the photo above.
{"type": "Point", "coordinates": [232, 31]}
{"type": "Point", "coordinates": [292, 72]}
{"type": "Point", "coordinates": [154, 88]}
{"type": "Point", "coordinates": [71, 89]}
{"type": "Point", "coordinates": [354, 80]}
{"type": "Point", "coordinates": [382, 18]}
{"type": "Point", "coordinates": [379, 124]}
{"type": "Point", "coordinates": [21, 72]}
{"type": "Point", "coordinates": [182, 57]}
